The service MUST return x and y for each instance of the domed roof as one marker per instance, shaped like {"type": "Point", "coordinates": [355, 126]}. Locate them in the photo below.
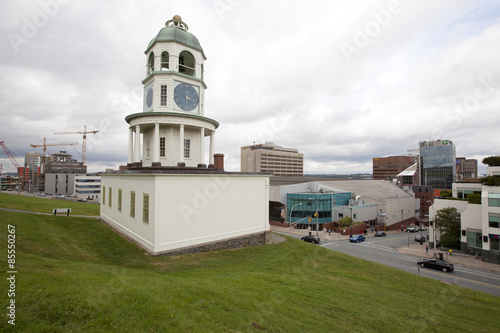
{"type": "Point", "coordinates": [176, 31]}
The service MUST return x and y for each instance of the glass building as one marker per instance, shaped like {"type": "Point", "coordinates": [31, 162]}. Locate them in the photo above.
{"type": "Point", "coordinates": [437, 164]}
{"type": "Point", "coordinates": [304, 205]}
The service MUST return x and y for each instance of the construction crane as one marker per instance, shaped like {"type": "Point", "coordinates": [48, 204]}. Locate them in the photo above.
{"type": "Point", "coordinates": [12, 158]}
{"type": "Point", "coordinates": [45, 145]}
{"type": "Point", "coordinates": [84, 132]}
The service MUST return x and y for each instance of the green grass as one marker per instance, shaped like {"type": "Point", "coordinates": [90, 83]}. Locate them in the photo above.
{"type": "Point", "coordinates": [76, 275]}
{"type": "Point", "coordinates": [43, 205]}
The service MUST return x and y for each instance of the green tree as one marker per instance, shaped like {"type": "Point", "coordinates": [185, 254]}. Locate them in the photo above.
{"type": "Point", "coordinates": [474, 198]}
{"type": "Point", "coordinates": [492, 160]}
{"type": "Point", "coordinates": [445, 194]}
{"type": "Point", "coordinates": [345, 222]}
{"type": "Point", "coordinates": [448, 221]}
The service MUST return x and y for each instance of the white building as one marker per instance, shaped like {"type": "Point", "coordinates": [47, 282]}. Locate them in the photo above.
{"type": "Point", "coordinates": [480, 223]}
{"type": "Point", "coordinates": [88, 187]}
{"type": "Point", "coordinates": [169, 200]}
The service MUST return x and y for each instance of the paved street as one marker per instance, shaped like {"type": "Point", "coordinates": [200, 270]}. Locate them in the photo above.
{"type": "Point", "coordinates": [401, 251]}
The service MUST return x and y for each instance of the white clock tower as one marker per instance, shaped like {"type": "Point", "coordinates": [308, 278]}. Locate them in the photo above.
{"type": "Point", "coordinates": [168, 200]}
{"type": "Point", "coordinates": [172, 124]}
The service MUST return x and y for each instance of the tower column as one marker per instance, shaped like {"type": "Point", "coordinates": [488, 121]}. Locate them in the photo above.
{"type": "Point", "coordinates": [130, 145]}
{"type": "Point", "coordinates": [181, 144]}
{"type": "Point", "coordinates": [137, 147]}
{"type": "Point", "coordinates": [202, 145]}
{"type": "Point", "coordinates": [156, 145]}
{"type": "Point", "coordinates": [212, 144]}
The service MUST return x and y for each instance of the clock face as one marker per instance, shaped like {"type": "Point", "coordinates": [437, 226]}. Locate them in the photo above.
{"type": "Point", "coordinates": [186, 97]}
{"type": "Point", "coordinates": [149, 97]}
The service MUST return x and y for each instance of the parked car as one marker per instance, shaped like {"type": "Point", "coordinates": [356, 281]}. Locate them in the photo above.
{"type": "Point", "coordinates": [380, 234]}
{"type": "Point", "coordinates": [61, 196]}
{"type": "Point", "coordinates": [420, 238]}
{"type": "Point", "coordinates": [436, 264]}
{"type": "Point", "coordinates": [311, 239]}
{"type": "Point", "coordinates": [82, 200]}
{"type": "Point", "coordinates": [357, 238]}
{"type": "Point", "coordinates": [422, 228]}
{"type": "Point", "coordinates": [411, 229]}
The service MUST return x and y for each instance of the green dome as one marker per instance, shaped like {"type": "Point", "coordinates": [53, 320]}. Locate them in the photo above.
{"type": "Point", "coordinates": [176, 34]}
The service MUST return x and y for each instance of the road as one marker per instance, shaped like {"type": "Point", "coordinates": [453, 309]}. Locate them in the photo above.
{"type": "Point", "coordinates": [383, 250]}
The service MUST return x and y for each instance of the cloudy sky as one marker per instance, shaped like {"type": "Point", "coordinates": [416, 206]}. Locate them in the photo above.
{"type": "Point", "coordinates": [342, 81]}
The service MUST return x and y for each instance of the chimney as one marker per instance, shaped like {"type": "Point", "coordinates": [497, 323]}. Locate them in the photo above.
{"type": "Point", "coordinates": [219, 162]}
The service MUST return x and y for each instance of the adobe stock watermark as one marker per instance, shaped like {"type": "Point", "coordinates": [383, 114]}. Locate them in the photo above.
{"type": "Point", "coordinates": [454, 116]}
{"type": "Point", "coordinates": [31, 25]}
{"type": "Point", "coordinates": [221, 7]}
{"type": "Point", "coordinates": [201, 198]}
{"type": "Point", "coordinates": [363, 37]}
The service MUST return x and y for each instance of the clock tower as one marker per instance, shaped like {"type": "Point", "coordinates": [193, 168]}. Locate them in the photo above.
{"type": "Point", "coordinates": [173, 125]}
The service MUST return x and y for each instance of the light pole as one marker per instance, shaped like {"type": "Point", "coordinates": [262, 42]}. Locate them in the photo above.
{"type": "Point", "coordinates": [433, 227]}
{"type": "Point", "coordinates": [352, 222]}
{"type": "Point", "coordinates": [316, 202]}
{"type": "Point", "coordinates": [298, 204]}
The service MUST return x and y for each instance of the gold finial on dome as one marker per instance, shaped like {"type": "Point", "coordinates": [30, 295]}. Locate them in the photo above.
{"type": "Point", "coordinates": [176, 21]}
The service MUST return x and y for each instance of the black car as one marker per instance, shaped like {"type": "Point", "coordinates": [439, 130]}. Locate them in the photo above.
{"type": "Point", "coordinates": [311, 239]}
{"type": "Point", "coordinates": [420, 238]}
{"type": "Point", "coordinates": [380, 234]}
{"type": "Point", "coordinates": [436, 264]}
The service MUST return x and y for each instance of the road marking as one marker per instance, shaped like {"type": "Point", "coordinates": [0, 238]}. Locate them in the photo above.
{"type": "Point", "coordinates": [378, 247]}
{"type": "Point", "coordinates": [460, 278]}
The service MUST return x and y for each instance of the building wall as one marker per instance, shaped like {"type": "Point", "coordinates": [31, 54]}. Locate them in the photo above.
{"type": "Point", "coordinates": [88, 187]}
{"type": "Point", "coordinates": [60, 183]}
{"type": "Point", "coordinates": [387, 168]}
{"type": "Point", "coordinates": [188, 210]}
{"type": "Point", "coordinates": [437, 164]}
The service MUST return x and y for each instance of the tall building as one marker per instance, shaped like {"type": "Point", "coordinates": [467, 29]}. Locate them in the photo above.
{"type": "Point", "coordinates": [60, 172]}
{"type": "Point", "coordinates": [466, 168]}
{"type": "Point", "coordinates": [272, 159]}
{"type": "Point", "coordinates": [388, 168]}
{"type": "Point", "coordinates": [437, 164]}
{"type": "Point", "coordinates": [169, 200]}
{"type": "Point", "coordinates": [32, 171]}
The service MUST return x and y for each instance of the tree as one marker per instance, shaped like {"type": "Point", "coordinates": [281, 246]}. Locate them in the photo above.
{"type": "Point", "coordinates": [445, 194]}
{"type": "Point", "coordinates": [345, 222]}
{"type": "Point", "coordinates": [474, 198]}
{"type": "Point", "coordinates": [492, 160]}
{"type": "Point", "coordinates": [448, 221]}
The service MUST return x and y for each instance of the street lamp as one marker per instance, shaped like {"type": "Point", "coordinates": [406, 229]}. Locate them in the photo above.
{"type": "Point", "coordinates": [298, 204]}
{"type": "Point", "coordinates": [352, 222]}
{"type": "Point", "coordinates": [317, 234]}
{"type": "Point", "coordinates": [433, 227]}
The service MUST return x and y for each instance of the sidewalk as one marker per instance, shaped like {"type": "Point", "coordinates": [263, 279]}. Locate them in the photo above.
{"type": "Point", "coordinates": [416, 250]}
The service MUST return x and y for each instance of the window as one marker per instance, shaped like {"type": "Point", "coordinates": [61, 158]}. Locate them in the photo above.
{"type": "Point", "coordinates": [132, 204]}
{"type": "Point", "coordinates": [145, 208]}
{"type": "Point", "coordinates": [164, 60]}
{"type": "Point", "coordinates": [119, 199]}
{"type": "Point", "coordinates": [104, 195]}
{"type": "Point", "coordinates": [110, 191]}
{"type": "Point", "coordinates": [187, 146]}
{"type": "Point", "coordinates": [148, 148]}
{"type": "Point", "coordinates": [162, 147]}
{"type": "Point", "coordinates": [494, 220]}
{"type": "Point", "coordinates": [474, 239]}
{"type": "Point", "coordinates": [163, 95]}
{"type": "Point", "coordinates": [494, 199]}
{"type": "Point", "coordinates": [151, 63]}
{"type": "Point", "coordinates": [186, 63]}
{"type": "Point", "coordinates": [494, 244]}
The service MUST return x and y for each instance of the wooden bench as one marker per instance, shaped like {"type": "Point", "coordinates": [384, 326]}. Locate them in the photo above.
{"type": "Point", "coordinates": [61, 210]}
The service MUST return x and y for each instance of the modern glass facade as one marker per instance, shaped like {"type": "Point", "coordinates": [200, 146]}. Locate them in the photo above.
{"type": "Point", "coordinates": [438, 168]}
{"type": "Point", "coordinates": [307, 204]}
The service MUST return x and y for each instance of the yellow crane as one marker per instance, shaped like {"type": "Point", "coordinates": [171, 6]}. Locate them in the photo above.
{"type": "Point", "coordinates": [45, 145]}
{"type": "Point", "coordinates": [84, 132]}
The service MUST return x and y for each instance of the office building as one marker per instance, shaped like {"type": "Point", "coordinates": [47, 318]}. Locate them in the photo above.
{"type": "Point", "coordinates": [466, 168]}
{"type": "Point", "coordinates": [437, 164]}
{"type": "Point", "coordinates": [272, 159]}
{"type": "Point", "coordinates": [388, 168]}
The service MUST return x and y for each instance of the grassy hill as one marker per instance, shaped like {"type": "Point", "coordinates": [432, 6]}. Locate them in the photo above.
{"type": "Point", "coordinates": [76, 275]}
